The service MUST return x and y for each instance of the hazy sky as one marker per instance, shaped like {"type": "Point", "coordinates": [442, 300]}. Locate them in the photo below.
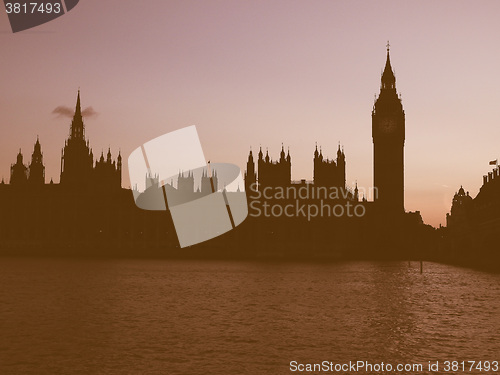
{"type": "Point", "coordinates": [250, 73]}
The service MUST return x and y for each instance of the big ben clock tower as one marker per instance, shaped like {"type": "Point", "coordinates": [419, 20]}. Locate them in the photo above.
{"type": "Point", "coordinates": [388, 131]}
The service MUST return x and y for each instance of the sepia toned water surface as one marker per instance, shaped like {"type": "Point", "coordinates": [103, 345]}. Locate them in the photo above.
{"type": "Point", "coordinates": [212, 317]}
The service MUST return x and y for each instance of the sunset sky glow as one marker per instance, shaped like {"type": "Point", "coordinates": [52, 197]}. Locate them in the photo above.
{"type": "Point", "coordinates": [250, 73]}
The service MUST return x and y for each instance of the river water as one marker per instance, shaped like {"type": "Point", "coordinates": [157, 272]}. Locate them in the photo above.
{"type": "Point", "coordinates": [60, 316]}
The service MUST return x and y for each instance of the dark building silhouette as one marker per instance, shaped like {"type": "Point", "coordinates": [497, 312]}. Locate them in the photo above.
{"type": "Point", "coordinates": [107, 173]}
{"type": "Point", "coordinates": [152, 181]}
{"type": "Point", "coordinates": [329, 172]}
{"type": "Point", "coordinates": [384, 230]}
{"type": "Point", "coordinates": [487, 201]}
{"type": "Point", "coordinates": [36, 172]}
{"type": "Point", "coordinates": [272, 173]}
{"type": "Point", "coordinates": [460, 209]}
{"type": "Point", "coordinates": [155, 193]}
{"type": "Point", "coordinates": [19, 172]}
{"type": "Point", "coordinates": [206, 184]}
{"type": "Point", "coordinates": [473, 224]}
{"type": "Point", "coordinates": [89, 214]}
{"type": "Point", "coordinates": [483, 211]}
{"type": "Point", "coordinates": [193, 187]}
{"type": "Point", "coordinates": [77, 160]}
{"type": "Point", "coordinates": [185, 183]}
{"type": "Point", "coordinates": [250, 174]}
{"type": "Point", "coordinates": [388, 131]}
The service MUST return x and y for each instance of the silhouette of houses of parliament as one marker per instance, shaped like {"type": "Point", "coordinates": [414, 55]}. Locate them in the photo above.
{"type": "Point", "coordinates": [78, 171]}
{"type": "Point", "coordinates": [89, 212]}
{"type": "Point", "coordinates": [329, 172]}
{"type": "Point", "coordinates": [186, 184]}
{"type": "Point", "coordinates": [272, 174]}
{"type": "Point", "coordinates": [86, 213]}
{"type": "Point", "coordinates": [388, 132]}
{"type": "Point", "coordinates": [34, 174]}
{"type": "Point", "coordinates": [385, 230]}
{"type": "Point", "coordinates": [153, 197]}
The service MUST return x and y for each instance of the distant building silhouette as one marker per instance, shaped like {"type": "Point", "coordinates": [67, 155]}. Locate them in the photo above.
{"type": "Point", "coordinates": [488, 199]}
{"type": "Point", "coordinates": [77, 163]}
{"type": "Point", "coordinates": [102, 219]}
{"type": "Point", "coordinates": [277, 174]}
{"type": "Point", "coordinates": [468, 212]}
{"type": "Point", "coordinates": [388, 131]}
{"type": "Point", "coordinates": [185, 183]}
{"type": "Point", "coordinates": [206, 184]}
{"type": "Point", "coordinates": [77, 160]}
{"type": "Point", "coordinates": [107, 173]}
{"type": "Point", "coordinates": [152, 181]}
{"type": "Point", "coordinates": [274, 173]}
{"type": "Point", "coordinates": [329, 173]}
{"type": "Point", "coordinates": [19, 172]}
{"type": "Point", "coordinates": [153, 197]}
{"type": "Point", "coordinates": [34, 174]}
{"type": "Point", "coordinates": [460, 209]}
{"type": "Point", "coordinates": [473, 224]}
{"type": "Point", "coordinates": [36, 170]}
{"type": "Point", "coordinates": [250, 174]}
{"type": "Point", "coordinates": [48, 218]}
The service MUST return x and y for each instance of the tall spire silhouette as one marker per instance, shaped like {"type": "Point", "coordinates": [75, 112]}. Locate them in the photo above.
{"type": "Point", "coordinates": [78, 109]}
{"type": "Point", "coordinates": [36, 170]}
{"type": "Point", "coordinates": [388, 132]}
{"type": "Point", "coordinates": [77, 126]}
{"type": "Point", "coordinates": [388, 78]}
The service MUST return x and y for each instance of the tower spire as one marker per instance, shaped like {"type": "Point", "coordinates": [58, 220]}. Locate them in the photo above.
{"type": "Point", "coordinates": [77, 126]}
{"type": "Point", "coordinates": [78, 106]}
{"type": "Point", "coordinates": [388, 132]}
{"type": "Point", "coordinates": [388, 78]}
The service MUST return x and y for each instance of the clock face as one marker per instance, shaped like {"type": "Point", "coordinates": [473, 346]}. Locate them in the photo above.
{"type": "Point", "coordinates": [387, 125]}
